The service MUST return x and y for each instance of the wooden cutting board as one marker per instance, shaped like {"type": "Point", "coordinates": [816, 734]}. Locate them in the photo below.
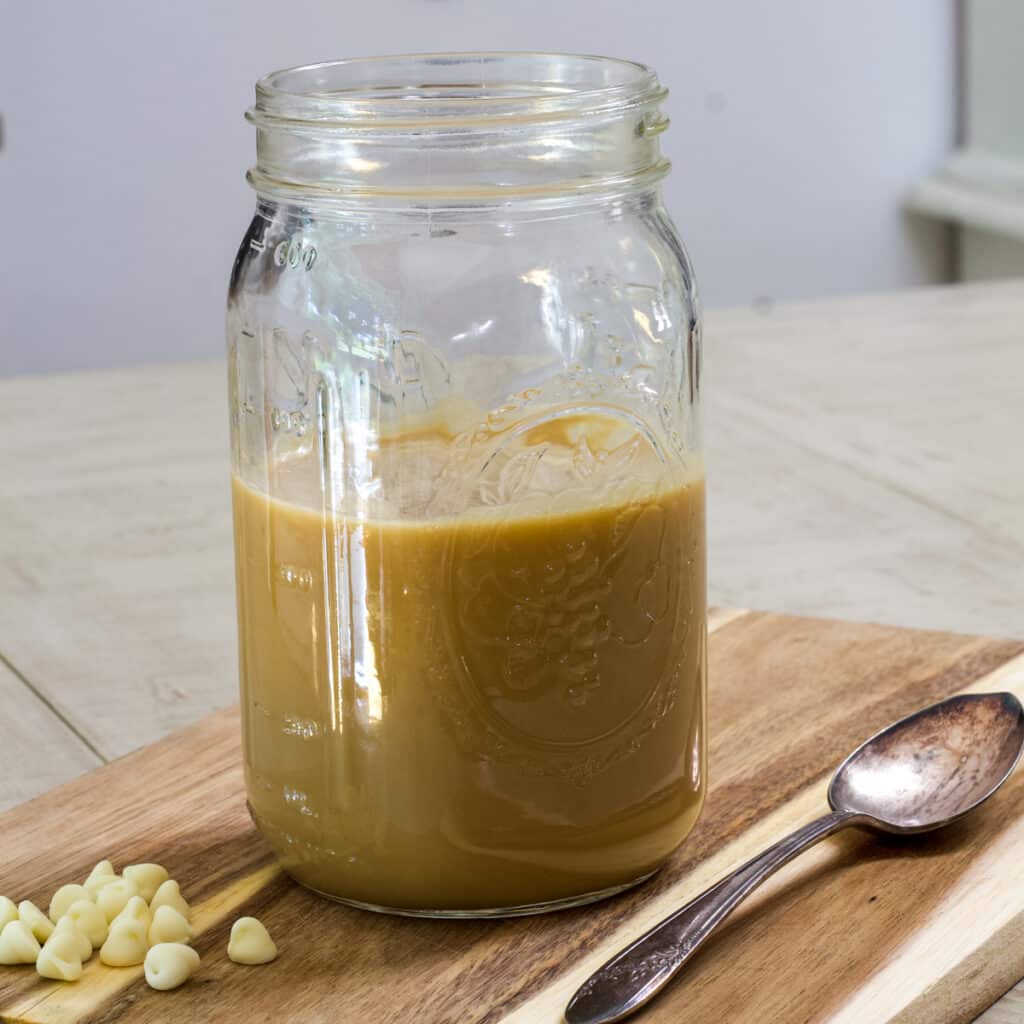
{"type": "Point", "coordinates": [859, 930]}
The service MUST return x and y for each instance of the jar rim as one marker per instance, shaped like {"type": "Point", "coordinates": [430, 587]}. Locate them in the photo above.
{"type": "Point", "coordinates": [453, 90]}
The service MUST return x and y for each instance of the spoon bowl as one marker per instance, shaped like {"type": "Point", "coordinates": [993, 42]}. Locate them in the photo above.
{"type": "Point", "coordinates": [931, 768]}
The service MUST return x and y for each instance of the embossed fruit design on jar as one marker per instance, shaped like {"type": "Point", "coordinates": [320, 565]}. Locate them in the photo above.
{"type": "Point", "coordinates": [464, 368]}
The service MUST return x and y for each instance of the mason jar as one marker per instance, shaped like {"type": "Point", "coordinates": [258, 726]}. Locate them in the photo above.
{"type": "Point", "coordinates": [464, 364]}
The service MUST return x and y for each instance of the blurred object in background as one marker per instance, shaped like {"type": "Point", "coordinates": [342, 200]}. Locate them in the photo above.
{"type": "Point", "coordinates": [799, 129]}
{"type": "Point", "coordinates": [980, 188]}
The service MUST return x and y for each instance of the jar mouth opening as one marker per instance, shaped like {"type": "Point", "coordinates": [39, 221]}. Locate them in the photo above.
{"type": "Point", "coordinates": [453, 90]}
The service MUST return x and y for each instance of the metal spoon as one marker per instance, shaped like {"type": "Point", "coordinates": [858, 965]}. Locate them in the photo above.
{"type": "Point", "coordinates": [921, 773]}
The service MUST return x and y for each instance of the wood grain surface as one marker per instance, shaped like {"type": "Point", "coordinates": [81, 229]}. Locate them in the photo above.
{"type": "Point", "coordinates": [890, 488]}
{"type": "Point", "coordinates": [31, 726]}
{"type": "Point", "coordinates": [900, 504]}
{"type": "Point", "coordinates": [116, 600]}
{"type": "Point", "coordinates": [861, 465]}
{"type": "Point", "coordinates": [860, 930]}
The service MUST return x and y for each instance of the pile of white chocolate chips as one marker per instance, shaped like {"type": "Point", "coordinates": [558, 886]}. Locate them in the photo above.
{"type": "Point", "coordinates": [137, 917]}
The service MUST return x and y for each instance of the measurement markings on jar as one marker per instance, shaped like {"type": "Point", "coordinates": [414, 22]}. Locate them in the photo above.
{"type": "Point", "coordinates": [285, 422]}
{"type": "Point", "coordinates": [295, 576]}
{"type": "Point", "coordinates": [295, 253]}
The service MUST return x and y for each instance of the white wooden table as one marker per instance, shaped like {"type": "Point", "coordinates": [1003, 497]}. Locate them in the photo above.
{"type": "Point", "coordinates": [866, 461]}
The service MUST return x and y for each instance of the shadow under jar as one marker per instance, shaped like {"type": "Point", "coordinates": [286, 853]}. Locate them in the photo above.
{"type": "Point", "coordinates": [464, 362]}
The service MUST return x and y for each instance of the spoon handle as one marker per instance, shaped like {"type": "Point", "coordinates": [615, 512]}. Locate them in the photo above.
{"type": "Point", "coordinates": [634, 976]}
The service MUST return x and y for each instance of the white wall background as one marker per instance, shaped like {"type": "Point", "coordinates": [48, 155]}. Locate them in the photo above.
{"type": "Point", "coordinates": [798, 127]}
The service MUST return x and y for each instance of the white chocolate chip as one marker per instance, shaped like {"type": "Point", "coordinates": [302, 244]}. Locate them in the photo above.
{"type": "Point", "coordinates": [102, 867]}
{"type": "Point", "coordinates": [59, 959]}
{"type": "Point", "coordinates": [93, 885]}
{"type": "Point", "coordinates": [169, 895]}
{"type": "Point", "coordinates": [126, 944]}
{"type": "Point", "coordinates": [17, 944]}
{"type": "Point", "coordinates": [135, 909]}
{"type": "Point", "coordinates": [102, 874]}
{"type": "Point", "coordinates": [169, 926]}
{"type": "Point", "coordinates": [65, 926]}
{"type": "Point", "coordinates": [8, 911]}
{"type": "Point", "coordinates": [91, 921]}
{"type": "Point", "coordinates": [41, 925]}
{"type": "Point", "coordinates": [113, 898]}
{"type": "Point", "coordinates": [170, 964]}
{"type": "Point", "coordinates": [147, 878]}
{"type": "Point", "coordinates": [250, 942]}
{"type": "Point", "coordinates": [64, 897]}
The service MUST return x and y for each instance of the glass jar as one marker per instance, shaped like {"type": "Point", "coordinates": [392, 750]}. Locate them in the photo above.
{"type": "Point", "coordinates": [464, 361]}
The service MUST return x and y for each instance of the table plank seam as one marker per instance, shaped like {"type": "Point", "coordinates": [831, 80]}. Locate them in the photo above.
{"type": "Point", "coordinates": [53, 709]}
